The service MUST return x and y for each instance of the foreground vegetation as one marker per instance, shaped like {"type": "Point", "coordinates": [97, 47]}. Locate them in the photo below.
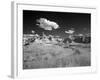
{"type": "Point", "coordinates": [53, 56]}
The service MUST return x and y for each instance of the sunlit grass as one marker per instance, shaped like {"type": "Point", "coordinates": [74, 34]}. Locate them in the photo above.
{"type": "Point", "coordinates": [53, 56]}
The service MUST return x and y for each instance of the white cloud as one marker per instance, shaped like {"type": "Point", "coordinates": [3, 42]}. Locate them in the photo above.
{"type": "Point", "coordinates": [80, 34]}
{"type": "Point", "coordinates": [33, 31]}
{"type": "Point", "coordinates": [70, 31]}
{"type": "Point", "coordinates": [47, 24]}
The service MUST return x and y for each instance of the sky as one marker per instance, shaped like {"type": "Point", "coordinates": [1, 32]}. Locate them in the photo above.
{"type": "Point", "coordinates": [80, 22]}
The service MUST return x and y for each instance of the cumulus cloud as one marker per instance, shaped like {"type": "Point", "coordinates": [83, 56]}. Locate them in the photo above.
{"type": "Point", "coordinates": [33, 31]}
{"type": "Point", "coordinates": [70, 31]}
{"type": "Point", "coordinates": [47, 24]}
{"type": "Point", "coordinates": [80, 34]}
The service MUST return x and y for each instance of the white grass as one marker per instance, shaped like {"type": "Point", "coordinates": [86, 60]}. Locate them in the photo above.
{"type": "Point", "coordinates": [53, 56]}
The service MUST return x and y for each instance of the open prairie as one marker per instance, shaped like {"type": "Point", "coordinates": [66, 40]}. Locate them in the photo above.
{"type": "Point", "coordinates": [52, 56]}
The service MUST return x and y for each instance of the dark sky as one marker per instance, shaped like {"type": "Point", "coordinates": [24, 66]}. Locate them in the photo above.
{"type": "Point", "coordinates": [81, 22]}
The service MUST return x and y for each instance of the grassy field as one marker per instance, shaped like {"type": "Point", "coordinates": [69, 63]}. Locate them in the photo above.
{"type": "Point", "coordinates": [52, 56]}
